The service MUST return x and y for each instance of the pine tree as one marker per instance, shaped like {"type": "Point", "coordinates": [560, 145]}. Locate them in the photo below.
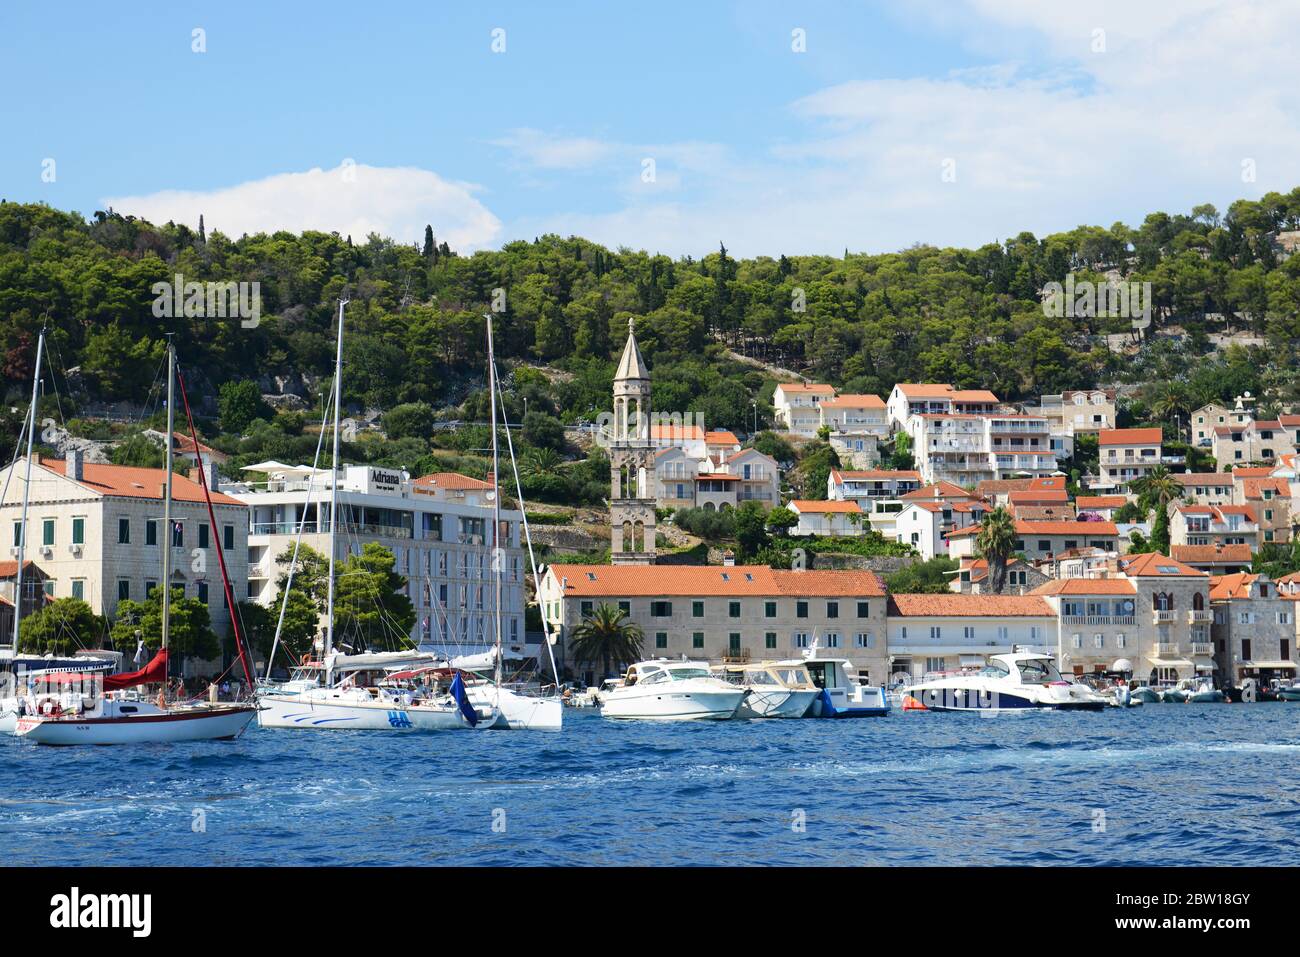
{"type": "Point", "coordinates": [430, 247]}
{"type": "Point", "coordinates": [203, 236]}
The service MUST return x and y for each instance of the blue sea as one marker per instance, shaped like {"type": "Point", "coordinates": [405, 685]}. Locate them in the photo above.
{"type": "Point", "coordinates": [1162, 784]}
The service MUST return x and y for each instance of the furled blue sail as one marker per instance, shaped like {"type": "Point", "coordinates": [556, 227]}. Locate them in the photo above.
{"type": "Point", "coordinates": [459, 693]}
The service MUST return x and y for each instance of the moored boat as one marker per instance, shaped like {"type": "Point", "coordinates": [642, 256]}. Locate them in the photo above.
{"type": "Point", "coordinates": [776, 690]}
{"type": "Point", "coordinates": [1009, 682]}
{"type": "Point", "coordinates": [664, 690]}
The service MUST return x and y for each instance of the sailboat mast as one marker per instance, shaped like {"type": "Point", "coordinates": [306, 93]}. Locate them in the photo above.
{"type": "Point", "coordinates": [334, 484]}
{"type": "Point", "coordinates": [27, 488]}
{"type": "Point", "coordinates": [498, 554]}
{"type": "Point", "coordinates": [167, 498]}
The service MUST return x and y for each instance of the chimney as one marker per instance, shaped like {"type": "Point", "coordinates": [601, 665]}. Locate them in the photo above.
{"type": "Point", "coordinates": [728, 558]}
{"type": "Point", "coordinates": [73, 461]}
{"type": "Point", "coordinates": [209, 473]}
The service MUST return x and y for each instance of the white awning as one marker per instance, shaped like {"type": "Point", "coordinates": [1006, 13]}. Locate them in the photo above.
{"type": "Point", "coordinates": [1170, 663]}
{"type": "Point", "coordinates": [1274, 665]}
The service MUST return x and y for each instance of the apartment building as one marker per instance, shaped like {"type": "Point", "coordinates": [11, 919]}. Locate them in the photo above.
{"type": "Point", "coordinates": [1097, 627]}
{"type": "Point", "coordinates": [96, 531]}
{"type": "Point", "coordinates": [1253, 630]}
{"type": "Point", "coordinates": [1216, 559]}
{"type": "Point", "coordinates": [1126, 455]}
{"type": "Point", "coordinates": [1043, 540]}
{"type": "Point", "coordinates": [1269, 500]}
{"type": "Point", "coordinates": [438, 527]}
{"type": "Point", "coordinates": [925, 525]}
{"type": "Point", "coordinates": [797, 406]}
{"type": "Point", "coordinates": [1081, 410]}
{"type": "Point", "coordinates": [827, 517]}
{"type": "Point", "coordinates": [741, 612]}
{"type": "Point", "coordinates": [1213, 525]}
{"type": "Point", "coordinates": [878, 493]}
{"type": "Point", "coordinates": [1210, 417]}
{"type": "Point", "coordinates": [1175, 601]}
{"type": "Point", "coordinates": [855, 414]}
{"type": "Point", "coordinates": [968, 449]}
{"type": "Point", "coordinates": [936, 398]}
{"type": "Point", "coordinates": [930, 634]}
{"type": "Point", "coordinates": [1250, 442]}
{"type": "Point", "coordinates": [1206, 488]}
{"type": "Point", "coordinates": [972, 577]}
{"type": "Point", "coordinates": [856, 450]}
{"type": "Point", "coordinates": [682, 481]}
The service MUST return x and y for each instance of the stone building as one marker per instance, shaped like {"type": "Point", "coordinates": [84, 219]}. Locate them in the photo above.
{"type": "Point", "coordinates": [632, 462]}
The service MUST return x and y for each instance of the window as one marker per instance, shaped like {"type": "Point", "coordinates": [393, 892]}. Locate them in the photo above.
{"type": "Point", "coordinates": [1044, 545]}
{"type": "Point", "coordinates": [1076, 641]}
{"type": "Point", "coordinates": [47, 531]}
{"type": "Point", "coordinates": [1121, 641]}
{"type": "Point", "coordinates": [769, 640]}
{"type": "Point", "coordinates": [178, 535]}
{"type": "Point", "coordinates": [1286, 649]}
{"type": "Point", "coordinates": [79, 530]}
{"type": "Point", "coordinates": [48, 588]}
{"type": "Point", "coordinates": [228, 537]}
{"type": "Point", "coordinates": [79, 588]}
{"type": "Point", "coordinates": [733, 643]}
{"type": "Point", "coordinates": [697, 609]}
{"type": "Point", "coordinates": [832, 640]}
{"type": "Point", "coordinates": [1002, 632]}
{"type": "Point", "coordinates": [584, 609]}
{"type": "Point", "coordinates": [968, 632]}
{"type": "Point", "coordinates": [203, 592]}
{"type": "Point", "coordinates": [832, 609]}
{"type": "Point", "coordinates": [661, 609]}
{"type": "Point", "coordinates": [1245, 649]}
{"type": "Point", "coordinates": [1099, 640]}
{"type": "Point", "coordinates": [801, 609]}
{"type": "Point", "coordinates": [625, 607]}
{"type": "Point", "coordinates": [864, 639]}
{"type": "Point", "coordinates": [801, 639]}
{"type": "Point", "coordinates": [769, 609]}
{"type": "Point", "coordinates": [733, 609]}
{"type": "Point", "coordinates": [936, 632]}
{"type": "Point", "coordinates": [697, 639]}
{"type": "Point", "coordinates": [124, 531]}
{"type": "Point", "coordinates": [203, 534]}
{"type": "Point", "coordinates": [123, 589]}
{"type": "Point", "coordinates": [661, 639]}
{"type": "Point", "coordinates": [864, 609]}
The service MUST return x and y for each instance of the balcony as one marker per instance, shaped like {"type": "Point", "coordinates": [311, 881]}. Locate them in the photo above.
{"type": "Point", "coordinates": [1202, 615]}
{"type": "Point", "coordinates": [1202, 648]}
{"type": "Point", "coordinates": [1163, 616]}
{"type": "Point", "coordinates": [1166, 649]}
{"type": "Point", "coordinates": [1098, 620]}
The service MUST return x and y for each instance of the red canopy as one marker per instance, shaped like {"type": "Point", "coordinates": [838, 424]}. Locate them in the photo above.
{"type": "Point", "coordinates": [152, 673]}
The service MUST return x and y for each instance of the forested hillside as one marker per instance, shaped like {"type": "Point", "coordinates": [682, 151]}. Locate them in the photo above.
{"type": "Point", "coordinates": [967, 316]}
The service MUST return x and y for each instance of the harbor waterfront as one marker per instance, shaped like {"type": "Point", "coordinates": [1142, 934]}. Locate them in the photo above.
{"type": "Point", "coordinates": [1220, 783]}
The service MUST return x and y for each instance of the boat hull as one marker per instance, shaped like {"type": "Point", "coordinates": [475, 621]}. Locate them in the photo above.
{"type": "Point", "coordinates": [990, 702]}
{"type": "Point", "coordinates": [519, 712]}
{"type": "Point", "coordinates": [164, 727]}
{"type": "Point", "coordinates": [776, 703]}
{"type": "Point", "coordinates": [674, 706]}
{"type": "Point", "coordinates": [308, 712]}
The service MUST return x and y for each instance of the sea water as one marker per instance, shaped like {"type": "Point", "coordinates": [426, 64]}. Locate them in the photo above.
{"type": "Point", "coordinates": [1161, 784]}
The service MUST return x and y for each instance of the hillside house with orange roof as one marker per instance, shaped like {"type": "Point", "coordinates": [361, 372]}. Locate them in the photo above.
{"type": "Point", "coordinates": [1125, 455]}
{"type": "Point", "coordinates": [1254, 629]}
{"type": "Point", "coordinates": [797, 406]}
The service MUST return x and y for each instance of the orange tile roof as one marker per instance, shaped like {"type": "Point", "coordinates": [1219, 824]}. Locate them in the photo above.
{"type": "Point", "coordinates": [1251, 471]}
{"type": "Point", "coordinates": [1086, 586]}
{"type": "Point", "coordinates": [938, 490]}
{"type": "Point", "coordinates": [125, 481]}
{"type": "Point", "coordinates": [453, 480]}
{"type": "Point", "coordinates": [1066, 528]}
{"type": "Point", "coordinates": [883, 474]}
{"type": "Point", "coordinates": [1229, 554]}
{"type": "Point", "coordinates": [1288, 579]}
{"type": "Point", "coordinates": [183, 443]}
{"type": "Point", "coordinates": [792, 387]}
{"type": "Point", "coordinates": [717, 477]}
{"type": "Point", "coordinates": [1130, 437]}
{"type": "Point", "coordinates": [1039, 496]}
{"type": "Point", "coordinates": [925, 390]}
{"type": "Point", "coordinates": [1101, 501]}
{"type": "Point", "coordinates": [1224, 587]}
{"type": "Point", "coordinates": [721, 437]}
{"type": "Point", "coordinates": [9, 568]}
{"type": "Point", "coordinates": [1048, 481]}
{"type": "Point", "coordinates": [854, 401]}
{"type": "Point", "coordinates": [817, 505]}
{"type": "Point", "coordinates": [982, 606]}
{"type": "Point", "coordinates": [973, 395]}
{"type": "Point", "coordinates": [655, 581]}
{"type": "Point", "coordinates": [1255, 488]}
{"type": "Point", "coordinates": [1044, 513]}
{"type": "Point", "coordinates": [995, 486]}
{"type": "Point", "coordinates": [1155, 565]}
{"type": "Point", "coordinates": [1204, 478]}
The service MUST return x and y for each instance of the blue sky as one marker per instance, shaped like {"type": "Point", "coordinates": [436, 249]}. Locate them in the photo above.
{"type": "Point", "coordinates": [953, 123]}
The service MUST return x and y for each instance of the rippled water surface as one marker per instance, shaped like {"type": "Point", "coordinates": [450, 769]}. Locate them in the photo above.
{"type": "Point", "coordinates": [1161, 784]}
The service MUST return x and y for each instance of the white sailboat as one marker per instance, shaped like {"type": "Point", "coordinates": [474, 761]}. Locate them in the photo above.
{"type": "Point", "coordinates": [347, 692]}
{"type": "Point", "coordinates": [109, 713]}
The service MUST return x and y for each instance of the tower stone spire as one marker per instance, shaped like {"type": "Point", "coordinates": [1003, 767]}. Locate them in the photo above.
{"type": "Point", "coordinates": [632, 461]}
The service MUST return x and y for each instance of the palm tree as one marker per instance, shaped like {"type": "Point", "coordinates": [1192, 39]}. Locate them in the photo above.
{"type": "Point", "coordinates": [541, 461]}
{"type": "Point", "coordinates": [608, 636]}
{"type": "Point", "coordinates": [1170, 403]}
{"type": "Point", "coordinates": [1158, 487]}
{"type": "Point", "coordinates": [996, 542]}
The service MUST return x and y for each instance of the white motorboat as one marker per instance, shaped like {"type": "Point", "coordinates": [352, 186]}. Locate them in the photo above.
{"type": "Point", "coordinates": [1010, 682]}
{"type": "Point", "coordinates": [663, 690]}
{"type": "Point", "coordinates": [775, 690]}
{"type": "Point", "coordinates": [1201, 691]}
{"type": "Point", "coordinates": [839, 693]}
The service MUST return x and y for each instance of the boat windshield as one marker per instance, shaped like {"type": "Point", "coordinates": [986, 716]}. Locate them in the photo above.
{"type": "Point", "coordinates": [683, 674]}
{"type": "Point", "coordinates": [995, 669]}
{"type": "Point", "coordinates": [758, 677]}
{"type": "Point", "coordinates": [1038, 671]}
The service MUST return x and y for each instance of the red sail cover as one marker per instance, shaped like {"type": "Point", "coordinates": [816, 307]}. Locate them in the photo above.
{"type": "Point", "coordinates": [152, 673]}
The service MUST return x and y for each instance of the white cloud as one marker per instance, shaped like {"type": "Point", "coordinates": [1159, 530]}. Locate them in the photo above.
{"type": "Point", "coordinates": [547, 151]}
{"type": "Point", "coordinates": [1161, 120]}
{"type": "Point", "coordinates": [351, 199]}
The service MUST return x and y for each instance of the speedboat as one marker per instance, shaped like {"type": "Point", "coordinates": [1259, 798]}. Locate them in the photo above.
{"type": "Point", "coordinates": [1201, 691]}
{"type": "Point", "coordinates": [663, 690]}
{"type": "Point", "coordinates": [1144, 694]}
{"type": "Point", "coordinates": [1173, 695]}
{"type": "Point", "coordinates": [1009, 682]}
{"type": "Point", "coordinates": [1288, 692]}
{"type": "Point", "coordinates": [840, 694]}
{"type": "Point", "coordinates": [775, 690]}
